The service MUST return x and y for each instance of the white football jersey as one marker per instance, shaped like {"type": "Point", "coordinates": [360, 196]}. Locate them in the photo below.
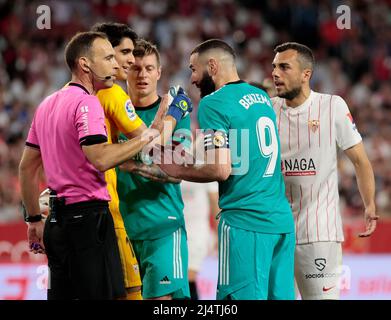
{"type": "Point", "coordinates": [309, 135]}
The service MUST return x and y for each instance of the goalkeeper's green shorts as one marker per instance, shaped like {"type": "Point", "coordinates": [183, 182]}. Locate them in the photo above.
{"type": "Point", "coordinates": [254, 265]}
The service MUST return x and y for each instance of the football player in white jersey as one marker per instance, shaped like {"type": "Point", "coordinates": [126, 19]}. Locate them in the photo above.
{"type": "Point", "coordinates": [311, 126]}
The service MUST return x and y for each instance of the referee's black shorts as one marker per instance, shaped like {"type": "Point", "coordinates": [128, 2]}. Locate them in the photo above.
{"type": "Point", "coordinates": [83, 256]}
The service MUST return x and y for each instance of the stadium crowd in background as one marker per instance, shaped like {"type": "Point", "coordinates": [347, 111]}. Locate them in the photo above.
{"type": "Point", "coordinates": [32, 64]}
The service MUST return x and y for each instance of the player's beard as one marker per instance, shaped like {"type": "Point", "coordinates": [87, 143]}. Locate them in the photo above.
{"type": "Point", "coordinates": [290, 95]}
{"type": "Point", "coordinates": [206, 86]}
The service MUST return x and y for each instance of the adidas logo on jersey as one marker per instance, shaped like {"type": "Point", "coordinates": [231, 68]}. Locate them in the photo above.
{"type": "Point", "coordinates": [165, 280]}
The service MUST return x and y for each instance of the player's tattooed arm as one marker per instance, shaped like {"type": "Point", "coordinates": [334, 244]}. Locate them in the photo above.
{"type": "Point", "coordinates": [151, 172]}
{"type": "Point", "coordinates": [154, 173]}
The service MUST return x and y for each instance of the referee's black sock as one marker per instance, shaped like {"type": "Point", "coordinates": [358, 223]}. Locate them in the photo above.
{"type": "Point", "coordinates": [193, 290]}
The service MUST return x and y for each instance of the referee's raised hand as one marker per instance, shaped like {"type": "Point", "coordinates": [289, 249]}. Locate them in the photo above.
{"type": "Point", "coordinates": [158, 121]}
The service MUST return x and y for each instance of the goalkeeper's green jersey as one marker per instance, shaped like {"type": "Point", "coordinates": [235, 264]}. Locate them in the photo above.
{"type": "Point", "coordinates": [151, 210]}
{"type": "Point", "coordinates": [253, 197]}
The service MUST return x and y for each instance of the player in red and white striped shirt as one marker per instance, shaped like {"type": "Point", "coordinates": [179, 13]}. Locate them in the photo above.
{"type": "Point", "coordinates": [311, 126]}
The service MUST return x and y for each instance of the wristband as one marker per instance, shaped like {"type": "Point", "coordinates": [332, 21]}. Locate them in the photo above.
{"type": "Point", "coordinates": [35, 218]}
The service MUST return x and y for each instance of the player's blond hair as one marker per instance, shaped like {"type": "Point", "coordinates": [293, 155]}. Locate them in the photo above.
{"type": "Point", "coordinates": [145, 48]}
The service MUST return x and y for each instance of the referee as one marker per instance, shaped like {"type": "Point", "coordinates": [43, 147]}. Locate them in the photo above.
{"type": "Point", "coordinates": [68, 137]}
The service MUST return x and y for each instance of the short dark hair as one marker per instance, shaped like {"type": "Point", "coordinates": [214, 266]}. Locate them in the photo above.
{"type": "Point", "coordinates": [213, 44]}
{"type": "Point", "coordinates": [306, 56]}
{"type": "Point", "coordinates": [80, 45]}
{"type": "Point", "coordinates": [145, 48]}
{"type": "Point", "coordinates": [115, 32]}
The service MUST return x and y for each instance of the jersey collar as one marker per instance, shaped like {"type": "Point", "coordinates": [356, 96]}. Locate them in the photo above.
{"type": "Point", "coordinates": [235, 82]}
{"type": "Point", "coordinates": [302, 107]}
{"type": "Point", "coordinates": [151, 106]}
{"type": "Point", "coordinates": [74, 84]}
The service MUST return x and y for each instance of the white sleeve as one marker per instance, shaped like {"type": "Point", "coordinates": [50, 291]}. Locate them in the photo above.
{"type": "Point", "coordinates": [212, 186]}
{"type": "Point", "coordinates": [347, 134]}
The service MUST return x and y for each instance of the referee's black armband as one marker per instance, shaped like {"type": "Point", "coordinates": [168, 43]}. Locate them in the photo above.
{"type": "Point", "coordinates": [32, 145]}
{"type": "Point", "coordinates": [94, 139]}
{"type": "Point", "coordinates": [215, 139]}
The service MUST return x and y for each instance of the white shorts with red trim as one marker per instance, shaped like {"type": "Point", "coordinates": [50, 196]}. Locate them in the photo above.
{"type": "Point", "coordinates": [318, 267]}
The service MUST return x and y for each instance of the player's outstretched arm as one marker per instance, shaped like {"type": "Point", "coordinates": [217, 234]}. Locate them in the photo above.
{"type": "Point", "coordinates": [104, 156]}
{"type": "Point", "coordinates": [151, 172]}
{"type": "Point", "coordinates": [366, 185]}
{"type": "Point", "coordinates": [216, 167]}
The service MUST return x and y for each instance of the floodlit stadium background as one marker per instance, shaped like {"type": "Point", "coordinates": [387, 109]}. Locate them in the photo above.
{"type": "Point", "coordinates": [354, 63]}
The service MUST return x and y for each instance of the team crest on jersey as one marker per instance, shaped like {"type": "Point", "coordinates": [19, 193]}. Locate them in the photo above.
{"type": "Point", "coordinates": [130, 110]}
{"type": "Point", "coordinates": [136, 268]}
{"type": "Point", "coordinates": [219, 139]}
{"type": "Point", "coordinates": [314, 125]}
{"type": "Point", "coordinates": [215, 139]}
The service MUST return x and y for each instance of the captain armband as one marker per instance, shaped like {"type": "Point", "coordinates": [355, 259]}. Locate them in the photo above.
{"type": "Point", "coordinates": [215, 139]}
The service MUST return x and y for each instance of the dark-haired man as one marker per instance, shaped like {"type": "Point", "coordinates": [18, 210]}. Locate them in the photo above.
{"type": "Point", "coordinates": [121, 117]}
{"type": "Point", "coordinates": [311, 126]}
{"type": "Point", "coordinates": [68, 137]}
{"type": "Point", "coordinates": [256, 229]}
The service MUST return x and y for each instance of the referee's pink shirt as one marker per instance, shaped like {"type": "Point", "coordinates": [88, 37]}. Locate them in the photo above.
{"type": "Point", "coordinates": [63, 122]}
